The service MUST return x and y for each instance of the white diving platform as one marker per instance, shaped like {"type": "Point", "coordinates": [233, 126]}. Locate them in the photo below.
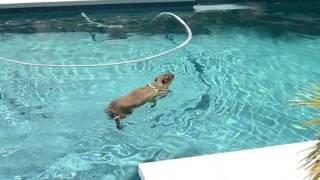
{"type": "Point", "coordinates": [6, 4]}
{"type": "Point", "coordinates": [270, 163]}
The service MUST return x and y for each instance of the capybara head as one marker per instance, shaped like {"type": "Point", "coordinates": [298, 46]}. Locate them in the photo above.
{"type": "Point", "coordinates": [164, 80]}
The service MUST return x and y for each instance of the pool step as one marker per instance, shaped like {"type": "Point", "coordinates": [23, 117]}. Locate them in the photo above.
{"type": "Point", "coordinates": [7, 4]}
{"type": "Point", "coordinates": [269, 163]}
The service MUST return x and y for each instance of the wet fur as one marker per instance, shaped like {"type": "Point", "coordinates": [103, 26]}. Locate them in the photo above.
{"type": "Point", "coordinates": [124, 106]}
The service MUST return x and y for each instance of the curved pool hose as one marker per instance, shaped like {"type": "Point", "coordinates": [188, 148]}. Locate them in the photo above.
{"type": "Point", "coordinates": [112, 63]}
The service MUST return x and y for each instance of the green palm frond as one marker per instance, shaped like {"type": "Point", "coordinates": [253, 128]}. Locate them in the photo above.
{"type": "Point", "coordinates": [311, 98]}
{"type": "Point", "coordinates": [312, 162]}
{"type": "Point", "coordinates": [313, 122]}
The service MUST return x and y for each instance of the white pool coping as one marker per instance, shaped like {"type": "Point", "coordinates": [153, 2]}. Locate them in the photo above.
{"type": "Point", "coordinates": [220, 7]}
{"type": "Point", "coordinates": [7, 4]}
{"type": "Point", "coordinates": [270, 163]}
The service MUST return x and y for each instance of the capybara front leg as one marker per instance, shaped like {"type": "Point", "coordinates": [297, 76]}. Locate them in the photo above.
{"type": "Point", "coordinates": [154, 103]}
{"type": "Point", "coordinates": [117, 120]}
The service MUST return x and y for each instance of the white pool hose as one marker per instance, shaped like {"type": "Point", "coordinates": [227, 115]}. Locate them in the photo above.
{"type": "Point", "coordinates": [115, 62]}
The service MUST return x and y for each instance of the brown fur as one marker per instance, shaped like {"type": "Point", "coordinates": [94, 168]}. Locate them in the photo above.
{"type": "Point", "coordinates": [123, 106]}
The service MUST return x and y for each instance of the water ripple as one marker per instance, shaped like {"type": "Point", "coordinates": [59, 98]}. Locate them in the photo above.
{"type": "Point", "coordinates": [231, 91]}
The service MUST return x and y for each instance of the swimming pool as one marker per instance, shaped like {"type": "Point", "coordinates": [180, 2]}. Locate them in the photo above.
{"type": "Point", "coordinates": [231, 91]}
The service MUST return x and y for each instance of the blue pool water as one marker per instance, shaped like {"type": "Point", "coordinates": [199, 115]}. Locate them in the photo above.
{"type": "Point", "coordinates": [231, 91]}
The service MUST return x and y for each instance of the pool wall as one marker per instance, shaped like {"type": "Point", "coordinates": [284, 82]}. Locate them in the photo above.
{"type": "Point", "coordinates": [8, 4]}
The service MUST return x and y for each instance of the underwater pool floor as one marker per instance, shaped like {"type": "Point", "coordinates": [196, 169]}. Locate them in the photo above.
{"type": "Point", "coordinates": [230, 93]}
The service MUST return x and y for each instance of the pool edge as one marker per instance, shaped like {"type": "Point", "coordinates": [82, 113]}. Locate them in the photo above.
{"type": "Point", "coordinates": [18, 4]}
{"type": "Point", "coordinates": [279, 162]}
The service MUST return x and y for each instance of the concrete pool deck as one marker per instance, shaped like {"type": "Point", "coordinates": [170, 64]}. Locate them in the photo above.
{"type": "Point", "coordinates": [280, 162]}
{"type": "Point", "coordinates": [7, 4]}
